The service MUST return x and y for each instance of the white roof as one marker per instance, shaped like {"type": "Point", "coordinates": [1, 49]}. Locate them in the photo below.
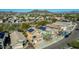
{"type": "Point", "coordinates": [63, 23]}
{"type": "Point", "coordinates": [17, 36]}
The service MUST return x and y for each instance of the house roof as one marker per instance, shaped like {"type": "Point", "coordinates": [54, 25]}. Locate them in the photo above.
{"type": "Point", "coordinates": [17, 37]}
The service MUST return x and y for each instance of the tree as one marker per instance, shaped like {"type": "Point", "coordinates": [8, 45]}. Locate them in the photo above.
{"type": "Point", "coordinates": [41, 23]}
{"type": "Point", "coordinates": [74, 44]}
{"type": "Point", "coordinates": [77, 19]}
{"type": "Point", "coordinates": [24, 26]}
{"type": "Point", "coordinates": [1, 28]}
{"type": "Point", "coordinates": [47, 35]}
{"type": "Point", "coordinates": [54, 20]}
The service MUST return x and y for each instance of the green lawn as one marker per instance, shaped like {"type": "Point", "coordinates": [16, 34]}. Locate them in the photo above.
{"type": "Point", "coordinates": [74, 44]}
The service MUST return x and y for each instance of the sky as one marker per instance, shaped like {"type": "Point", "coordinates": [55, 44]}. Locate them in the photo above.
{"type": "Point", "coordinates": [28, 10]}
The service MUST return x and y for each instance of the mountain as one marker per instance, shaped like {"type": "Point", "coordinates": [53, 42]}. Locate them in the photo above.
{"type": "Point", "coordinates": [48, 12]}
{"type": "Point", "coordinates": [39, 11]}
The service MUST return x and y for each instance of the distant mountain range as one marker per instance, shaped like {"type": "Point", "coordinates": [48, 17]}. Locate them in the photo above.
{"type": "Point", "coordinates": [39, 11]}
{"type": "Point", "coordinates": [43, 11]}
{"type": "Point", "coordinates": [46, 11]}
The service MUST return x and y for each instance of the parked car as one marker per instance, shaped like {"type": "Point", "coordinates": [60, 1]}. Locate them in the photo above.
{"type": "Point", "coordinates": [77, 29]}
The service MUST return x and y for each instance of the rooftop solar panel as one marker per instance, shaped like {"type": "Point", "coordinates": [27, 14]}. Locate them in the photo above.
{"type": "Point", "coordinates": [31, 30]}
{"type": "Point", "coordinates": [42, 28]}
{"type": "Point", "coordinates": [2, 34]}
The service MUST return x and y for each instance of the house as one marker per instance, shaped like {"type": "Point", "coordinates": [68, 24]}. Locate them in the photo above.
{"type": "Point", "coordinates": [65, 26]}
{"type": "Point", "coordinates": [17, 40]}
{"type": "Point", "coordinates": [34, 37]}
{"type": "Point", "coordinates": [37, 36]}
{"type": "Point", "coordinates": [2, 39]}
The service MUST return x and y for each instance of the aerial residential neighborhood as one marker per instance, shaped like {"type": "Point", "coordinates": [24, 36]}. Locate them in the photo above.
{"type": "Point", "coordinates": [39, 29]}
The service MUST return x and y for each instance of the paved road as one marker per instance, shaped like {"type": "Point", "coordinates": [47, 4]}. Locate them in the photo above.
{"type": "Point", "coordinates": [74, 35]}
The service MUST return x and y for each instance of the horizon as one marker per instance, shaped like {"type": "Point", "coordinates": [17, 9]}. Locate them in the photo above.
{"type": "Point", "coordinates": [29, 10]}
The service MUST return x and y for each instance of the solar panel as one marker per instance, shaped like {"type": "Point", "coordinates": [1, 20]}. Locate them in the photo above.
{"type": "Point", "coordinates": [31, 30]}
{"type": "Point", "coordinates": [2, 34]}
{"type": "Point", "coordinates": [42, 28]}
